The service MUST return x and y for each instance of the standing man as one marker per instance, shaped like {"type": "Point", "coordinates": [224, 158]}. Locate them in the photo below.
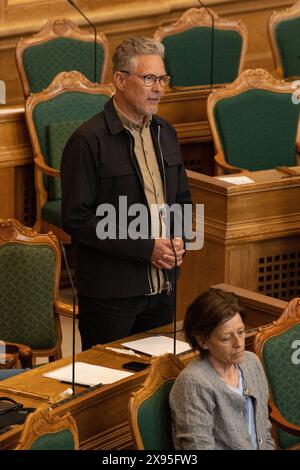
{"type": "Point", "coordinates": [125, 283]}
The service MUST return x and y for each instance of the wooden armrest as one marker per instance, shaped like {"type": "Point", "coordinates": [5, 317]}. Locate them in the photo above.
{"type": "Point", "coordinates": [65, 309]}
{"type": "Point", "coordinates": [221, 162]}
{"type": "Point", "coordinates": [279, 421]}
{"type": "Point", "coordinates": [24, 353]}
{"type": "Point", "coordinates": [298, 147]}
{"type": "Point", "coordinates": [7, 361]}
{"type": "Point", "coordinates": [40, 163]}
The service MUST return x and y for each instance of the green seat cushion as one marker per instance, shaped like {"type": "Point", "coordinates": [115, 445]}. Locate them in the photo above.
{"type": "Point", "coordinates": [154, 419]}
{"type": "Point", "coordinates": [61, 440]}
{"type": "Point", "coordinates": [287, 35]}
{"type": "Point", "coordinates": [44, 61]}
{"type": "Point", "coordinates": [26, 295]}
{"type": "Point", "coordinates": [284, 379]}
{"type": "Point", "coordinates": [59, 133]}
{"type": "Point", "coordinates": [188, 56]}
{"type": "Point", "coordinates": [257, 129]}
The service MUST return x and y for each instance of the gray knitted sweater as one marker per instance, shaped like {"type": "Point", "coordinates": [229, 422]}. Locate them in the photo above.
{"type": "Point", "coordinates": [207, 414]}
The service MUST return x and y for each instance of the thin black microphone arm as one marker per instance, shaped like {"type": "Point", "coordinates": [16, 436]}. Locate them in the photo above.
{"type": "Point", "coordinates": [175, 299]}
{"type": "Point", "coordinates": [212, 42]}
{"type": "Point", "coordinates": [74, 295]}
{"type": "Point", "coordinates": [95, 35]}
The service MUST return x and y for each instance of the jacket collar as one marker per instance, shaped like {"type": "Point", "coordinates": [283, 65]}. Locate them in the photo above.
{"type": "Point", "coordinates": [114, 123]}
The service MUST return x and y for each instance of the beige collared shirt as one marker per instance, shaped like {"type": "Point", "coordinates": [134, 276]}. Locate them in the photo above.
{"type": "Point", "coordinates": [154, 190]}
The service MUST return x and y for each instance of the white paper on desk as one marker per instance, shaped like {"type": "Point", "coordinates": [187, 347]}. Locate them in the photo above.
{"type": "Point", "coordinates": [157, 345]}
{"type": "Point", "coordinates": [87, 374]}
{"type": "Point", "coordinates": [236, 179]}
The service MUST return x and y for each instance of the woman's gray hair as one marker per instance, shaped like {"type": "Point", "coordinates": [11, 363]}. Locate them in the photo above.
{"type": "Point", "coordinates": [132, 47]}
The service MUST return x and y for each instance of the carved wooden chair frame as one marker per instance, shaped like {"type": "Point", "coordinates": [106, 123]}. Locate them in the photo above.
{"type": "Point", "coordinates": [15, 355]}
{"type": "Point", "coordinates": [274, 20]}
{"type": "Point", "coordinates": [200, 17]}
{"type": "Point", "coordinates": [163, 368]}
{"type": "Point", "coordinates": [61, 27]}
{"type": "Point", "coordinates": [13, 231]}
{"type": "Point", "coordinates": [41, 422]}
{"type": "Point", "coordinates": [63, 82]}
{"type": "Point", "coordinates": [249, 79]}
{"type": "Point", "coordinates": [289, 317]}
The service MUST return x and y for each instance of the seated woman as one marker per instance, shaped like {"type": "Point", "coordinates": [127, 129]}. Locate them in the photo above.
{"type": "Point", "coordinates": [220, 399]}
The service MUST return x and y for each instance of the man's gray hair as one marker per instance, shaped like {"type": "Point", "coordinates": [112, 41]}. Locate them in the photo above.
{"type": "Point", "coordinates": [132, 47]}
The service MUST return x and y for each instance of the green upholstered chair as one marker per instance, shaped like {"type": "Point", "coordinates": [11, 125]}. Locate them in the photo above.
{"type": "Point", "coordinates": [278, 347]}
{"type": "Point", "coordinates": [149, 410]}
{"type": "Point", "coordinates": [188, 45]}
{"type": "Point", "coordinates": [29, 278]}
{"type": "Point", "coordinates": [284, 35]}
{"type": "Point", "coordinates": [51, 117]}
{"type": "Point", "coordinates": [60, 46]}
{"type": "Point", "coordinates": [45, 431]}
{"type": "Point", "coordinates": [254, 123]}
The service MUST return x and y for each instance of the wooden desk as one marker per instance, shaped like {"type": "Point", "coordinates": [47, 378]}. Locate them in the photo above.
{"type": "Point", "coordinates": [252, 236]}
{"type": "Point", "coordinates": [101, 413]}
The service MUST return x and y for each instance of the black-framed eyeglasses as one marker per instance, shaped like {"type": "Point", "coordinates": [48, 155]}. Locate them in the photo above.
{"type": "Point", "coordinates": [150, 79]}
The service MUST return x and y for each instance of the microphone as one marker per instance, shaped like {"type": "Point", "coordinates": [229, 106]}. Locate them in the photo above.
{"type": "Point", "coordinates": [73, 315]}
{"type": "Point", "coordinates": [95, 35]}
{"type": "Point", "coordinates": [212, 42]}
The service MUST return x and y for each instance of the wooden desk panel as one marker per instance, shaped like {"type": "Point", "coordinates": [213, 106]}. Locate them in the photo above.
{"type": "Point", "coordinates": [252, 236]}
{"type": "Point", "coordinates": [17, 195]}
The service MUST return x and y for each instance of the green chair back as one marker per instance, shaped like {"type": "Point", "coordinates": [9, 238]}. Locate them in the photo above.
{"type": "Point", "coordinates": [188, 56]}
{"type": "Point", "coordinates": [27, 276]}
{"type": "Point", "coordinates": [61, 440]}
{"type": "Point", "coordinates": [55, 120]}
{"type": "Point", "coordinates": [284, 380]}
{"type": "Point", "coordinates": [154, 419]}
{"type": "Point", "coordinates": [287, 38]}
{"type": "Point", "coordinates": [42, 62]}
{"type": "Point", "coordinates": [257, 129]}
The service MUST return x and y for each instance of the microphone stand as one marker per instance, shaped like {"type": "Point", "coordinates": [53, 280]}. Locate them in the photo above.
{"type": "Point", "coordinates": [73, 315]}
{"type": "Point", "coordinates": [212, 42]}
{"type": "Point", "coordinates": [71, 2]}
{"type": "Point", "coordinates": [175, 300]}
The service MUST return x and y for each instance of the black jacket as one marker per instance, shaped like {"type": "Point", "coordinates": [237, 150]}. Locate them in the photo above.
{"type": "Point", "coordinates": [98, 166]}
